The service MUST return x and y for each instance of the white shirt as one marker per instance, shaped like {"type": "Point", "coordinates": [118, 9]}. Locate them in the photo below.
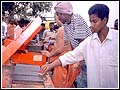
{"type": "Point", "coordinates": [101, 59]}
{"type": "Point", "coordinates": [47, 34]}
{"type": "Point", "coordinates": [17, 31]}
{"type": "Point", "coordinates": [4, 29]}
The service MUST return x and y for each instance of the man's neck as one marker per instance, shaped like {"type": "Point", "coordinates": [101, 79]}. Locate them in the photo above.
{"type": "Point", "coordinates": [102, 34]}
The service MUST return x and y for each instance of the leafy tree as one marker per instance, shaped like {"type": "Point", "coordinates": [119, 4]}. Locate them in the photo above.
{"type": "Point", "coordinates": [26, 9]}
{"type": "Point", "coordinates": [8, 6]}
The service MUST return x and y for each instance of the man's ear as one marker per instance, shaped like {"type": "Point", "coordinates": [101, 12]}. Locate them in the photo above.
{"type": "Point", "coordinates": [105, 20]}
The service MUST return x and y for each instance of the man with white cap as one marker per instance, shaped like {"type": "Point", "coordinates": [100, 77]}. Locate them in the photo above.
{"type": "Point", "coordinates": [75, 31]}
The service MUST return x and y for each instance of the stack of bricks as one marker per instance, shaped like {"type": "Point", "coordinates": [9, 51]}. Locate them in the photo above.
{"type": "Point", "coordinates": [25, 76]}
{"type": "Point", "coordinates": [7, 71]}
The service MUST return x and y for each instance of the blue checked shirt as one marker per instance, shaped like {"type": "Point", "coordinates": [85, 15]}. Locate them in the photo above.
{"type": "Point", "coordinates": [76, 30]}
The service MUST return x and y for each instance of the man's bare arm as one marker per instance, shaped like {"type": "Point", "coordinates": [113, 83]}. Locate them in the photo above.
{"type": "Point", "coordinates": [50, 66]}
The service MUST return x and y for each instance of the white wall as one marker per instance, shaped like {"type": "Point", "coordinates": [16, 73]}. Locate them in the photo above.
{"type": "Point", "coordinates": [82, 8]}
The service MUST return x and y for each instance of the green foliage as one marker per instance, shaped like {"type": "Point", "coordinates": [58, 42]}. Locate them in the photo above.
{"type": "Point", "coordinates": [25, 9]}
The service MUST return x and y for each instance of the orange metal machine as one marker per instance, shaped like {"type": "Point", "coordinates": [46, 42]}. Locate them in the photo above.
{"type": "Point", "coordinates": [11, 47]}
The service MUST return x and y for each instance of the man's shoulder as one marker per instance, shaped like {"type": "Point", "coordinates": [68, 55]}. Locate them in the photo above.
{"type": "Point", "coordinates": [114, 32]}
{"type": "Point", "coordinates": [4, 23]}
{"type": "Point", "coordinates": [77, 16]}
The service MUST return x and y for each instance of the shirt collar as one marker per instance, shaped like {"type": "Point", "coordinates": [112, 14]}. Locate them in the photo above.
{"type": "Point", "coordinates": [109, 35]}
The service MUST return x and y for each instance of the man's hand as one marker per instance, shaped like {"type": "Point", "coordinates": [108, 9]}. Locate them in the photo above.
{"type": "Point", "coordinates": [50, 66]}
{"type": "Point", "coordinates": [45, 52]}
{"type": "Point", "coordinates": [44, 69]}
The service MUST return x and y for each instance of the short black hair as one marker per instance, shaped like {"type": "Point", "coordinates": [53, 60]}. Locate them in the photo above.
{"type": "Point", "coordinates": [116, 24]}
{"type": "Point", "coordinates": [43, 24]}
{"type": "Point", "coordinates": [51, 23]}
{"type": "Point", "coordinates": [21, 21]}
{"type": "Point", "coordinates": [11, 19]}
{"type": "Point", "coordinates": [56, 27]}
{"type": "Point", "coordinates": [100, 10]}
{"type": "Point", "coordinates": [26, 21]}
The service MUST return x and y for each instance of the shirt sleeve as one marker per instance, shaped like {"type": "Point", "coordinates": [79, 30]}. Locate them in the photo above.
{"type": "Point", "coordinates": [81, 28]}
{"type": "Point", "coordinates": [44, 34]}
{"type": "Point", "coordinates": [74, 56]}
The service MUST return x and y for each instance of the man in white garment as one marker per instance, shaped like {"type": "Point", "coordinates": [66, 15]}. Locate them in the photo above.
{"type": "Point", "coordinates": [100, 51]}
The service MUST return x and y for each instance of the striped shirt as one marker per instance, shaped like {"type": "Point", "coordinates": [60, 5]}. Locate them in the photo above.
{"type": "Point", "coordinates": [76, 30]}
